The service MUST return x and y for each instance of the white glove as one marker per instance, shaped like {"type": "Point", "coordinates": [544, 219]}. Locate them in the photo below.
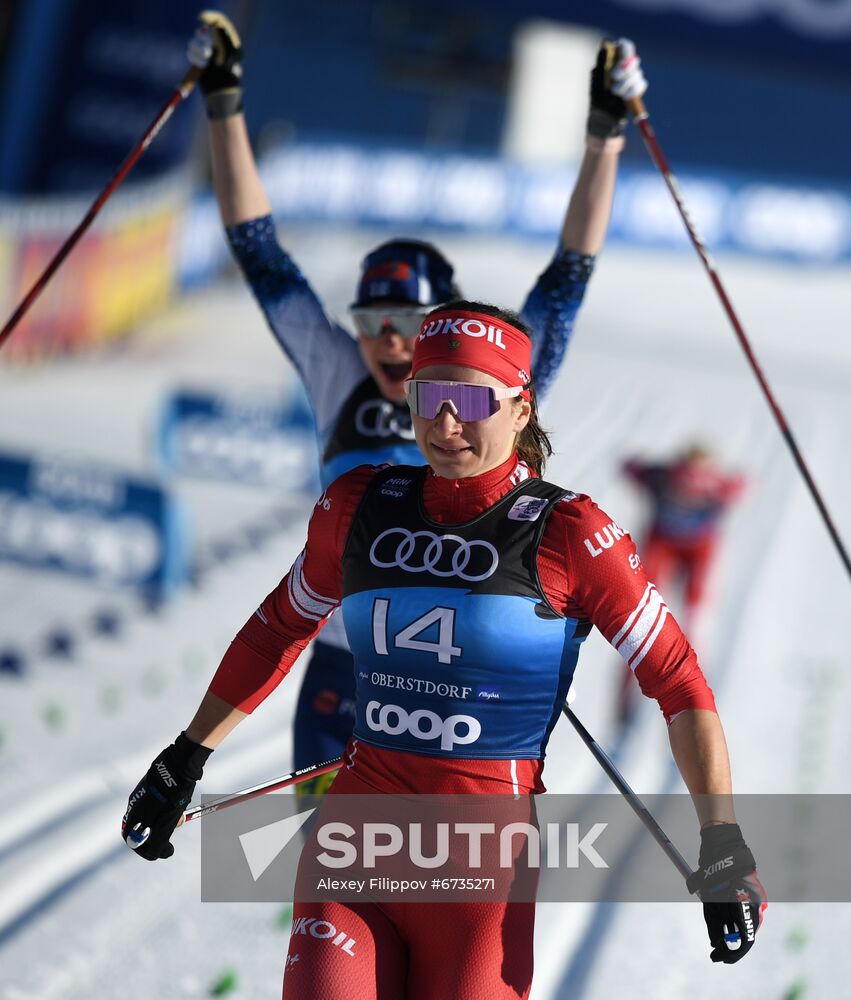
{"type": "Point", "coordinates": [627, 79]}
{"type": "Point", "coordinates": [216, 50]}
{"type": "Point", "coordinates": [199, 51]}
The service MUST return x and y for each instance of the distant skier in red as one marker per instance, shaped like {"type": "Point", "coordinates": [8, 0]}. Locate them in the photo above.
{"type": "Point", "coordinates": [689, 496]}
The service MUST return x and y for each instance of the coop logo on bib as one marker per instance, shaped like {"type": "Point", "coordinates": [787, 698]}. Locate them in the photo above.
{"type": "Point", "coordinates": [423, 725]}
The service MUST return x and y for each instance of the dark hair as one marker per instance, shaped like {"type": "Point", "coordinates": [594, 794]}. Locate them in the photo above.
{"type": "Point", "coordinates": [533, 443]}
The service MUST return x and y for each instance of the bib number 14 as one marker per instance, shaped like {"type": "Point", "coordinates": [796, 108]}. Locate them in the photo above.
{"type": "Point", "coordinates": [444, 618]}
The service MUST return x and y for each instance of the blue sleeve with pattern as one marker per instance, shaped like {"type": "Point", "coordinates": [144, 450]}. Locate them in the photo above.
{"type": "Point", "coordinates": [324, 354]}
{"type": "Point", "coordinates": [550, 310]}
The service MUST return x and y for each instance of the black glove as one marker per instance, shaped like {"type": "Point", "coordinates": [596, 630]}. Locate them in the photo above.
{"type": "Point", "coordinates": [607, 117]}
{"type": "Point", "coordinates": [733, 897]}
{"type": "Point", "coordinates": [157, 803]}
{"type": "Point", "coordinates": [216, 48]}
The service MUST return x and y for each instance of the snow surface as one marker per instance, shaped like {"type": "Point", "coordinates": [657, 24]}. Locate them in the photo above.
{"type": "Point", "coordinates": [653, 366]}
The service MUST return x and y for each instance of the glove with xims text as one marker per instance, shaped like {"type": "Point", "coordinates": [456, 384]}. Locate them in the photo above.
{"type": "Point", "coordinates": [216, 49]}
{"type": "Point", "coordinates": [734, 899]}
{"type": "Point", "coordinates": [615, 79]}
{"type": "Point", "coordinates": [157, 803]}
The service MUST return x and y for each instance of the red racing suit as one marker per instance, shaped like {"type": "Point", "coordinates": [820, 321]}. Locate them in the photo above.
{"type": "Point", "coordinates": [689, 498]}
{"type": "Point", "coordinates": [588, 568]}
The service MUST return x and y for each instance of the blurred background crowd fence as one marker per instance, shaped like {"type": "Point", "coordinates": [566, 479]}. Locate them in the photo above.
{"type": "Point", "coordinates": [467, 116]}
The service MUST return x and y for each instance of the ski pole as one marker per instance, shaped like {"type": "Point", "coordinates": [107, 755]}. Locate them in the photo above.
{"type": "Point", "coordinates": [183, 89]}
{"type": "Point", "coordinates": [635, 803]}
{"type": "Point", "coordinates": [641, 117]}
{"type": "Point", "coordinates": [237, 798]}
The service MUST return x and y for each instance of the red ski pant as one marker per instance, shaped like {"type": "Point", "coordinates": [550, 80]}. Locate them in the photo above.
{"type": "Point", "coordinates": [410, 951]}
{"type": "Point", "coordinates": [665, 558]}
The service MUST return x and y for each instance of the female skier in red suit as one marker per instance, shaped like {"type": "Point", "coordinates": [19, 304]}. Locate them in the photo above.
{"type": "Point", "coordinates": [467, 577]}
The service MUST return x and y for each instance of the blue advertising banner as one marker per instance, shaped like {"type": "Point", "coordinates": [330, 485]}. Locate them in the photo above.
{"type": "Point", "coordinates": [91, 521]}
{"type": "Point", "coordinates": [408, 191]}
{"type": "Point", "coordinates": [239, 439]}
{"type": "Point", "coordinates": [81, 83]}
{"type": "Point", "coordinates": [796, 31]}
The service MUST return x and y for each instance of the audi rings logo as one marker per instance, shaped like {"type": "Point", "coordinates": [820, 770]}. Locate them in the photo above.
{"type": "Point", "coordinates": [440, 555]}
{"type": "Point", "coordinates": [378, 418]}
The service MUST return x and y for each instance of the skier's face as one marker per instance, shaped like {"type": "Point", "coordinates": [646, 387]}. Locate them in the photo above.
{"type": "Point", "coordinates": [388, 358]}
{"type": "Point", "coordinates": [457, 450]}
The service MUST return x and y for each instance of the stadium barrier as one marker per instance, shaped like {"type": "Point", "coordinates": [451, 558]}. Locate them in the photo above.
{"type": "Point", "coordinates": [265, 443]}
{"type": "Point", "coordinates": [407, 190]}
{"type": "Point", "coordinates": [92, 521]}
{"type": "Point", "coordinates": [153, 240]}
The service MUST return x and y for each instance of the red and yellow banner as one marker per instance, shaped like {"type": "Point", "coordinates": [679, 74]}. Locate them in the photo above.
{"type": "Point", "coordinates": [122, 271]}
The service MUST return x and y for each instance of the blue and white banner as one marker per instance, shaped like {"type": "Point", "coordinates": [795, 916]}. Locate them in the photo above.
{"type": "Point", "coordinates": [240, 439]}
{"type": "Point", "coordinates": [812, 33]}
{"type": "Point", "coordinates": [823, 19]}
{"type": "Point", "coordinates": [359, 185]}
{"type": "Point", "coordinates": [91, 521]}
{"type": "Point", "coordinates": [409, 191]}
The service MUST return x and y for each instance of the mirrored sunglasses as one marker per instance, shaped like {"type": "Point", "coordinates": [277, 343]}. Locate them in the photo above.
{"type": "Point", "coordinates": [371, 321]}
{"type": "Point", "coordinates": [467, 401]}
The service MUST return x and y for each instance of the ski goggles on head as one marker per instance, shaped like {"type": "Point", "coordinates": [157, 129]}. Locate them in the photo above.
{"type": "Point", "coordinates": [372, 321]}
{"type": "Point", "coordinates": [467, 400]}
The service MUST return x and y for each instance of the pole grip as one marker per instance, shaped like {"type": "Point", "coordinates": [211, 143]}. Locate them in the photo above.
{"type": "Point", "coordinates": [190, 78]}
{"type": "Point", "coordinates": [637, 110]}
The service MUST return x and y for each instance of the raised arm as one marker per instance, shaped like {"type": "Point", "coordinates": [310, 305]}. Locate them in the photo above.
{"type": "Point", "coordinates": [552, 305]}
{"type": "Point", "coordinates": [643, 474]}
{"type": "Point", "coordinates": [217, 49]}
{"type": "Point", "coordinates": [236, 179]}
{"type": "Point", "coordinates": [323, 353]}
{"type": "Point", "coordinates": [616, 75]}
{"type": "Point", "coordinates": [587, 218]}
